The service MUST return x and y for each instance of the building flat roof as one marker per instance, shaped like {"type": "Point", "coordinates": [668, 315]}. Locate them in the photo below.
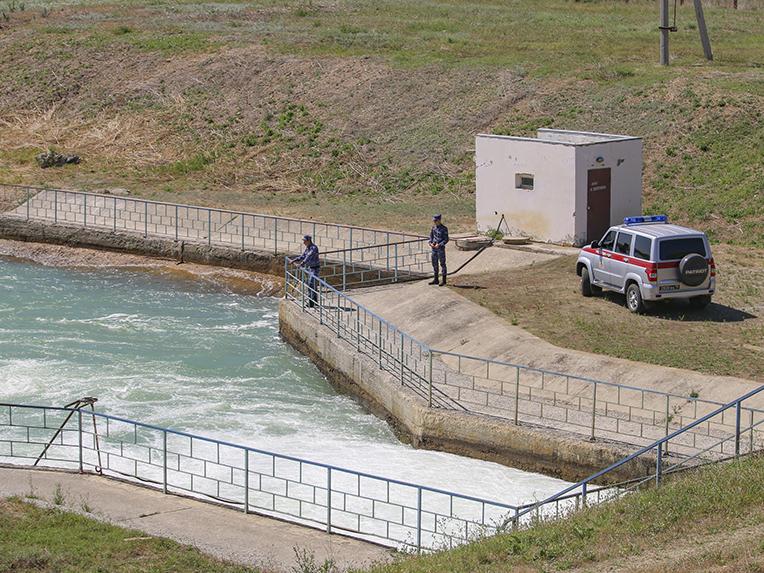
{"type": "Point", "coordinates": [565, 137]}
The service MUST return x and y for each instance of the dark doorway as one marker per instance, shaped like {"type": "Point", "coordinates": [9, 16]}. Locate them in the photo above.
{"type": "Point", "coordinates": [597, 203]}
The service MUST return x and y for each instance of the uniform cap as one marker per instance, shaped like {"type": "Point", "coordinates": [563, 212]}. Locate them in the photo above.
{"type": "Point", "coordinates": [437, 217]}
{"type": "Point", "coordinates": [307, 238]}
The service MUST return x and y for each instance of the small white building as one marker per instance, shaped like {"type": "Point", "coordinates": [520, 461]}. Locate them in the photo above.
{"type": "Point", "coordinates": [563, 187]}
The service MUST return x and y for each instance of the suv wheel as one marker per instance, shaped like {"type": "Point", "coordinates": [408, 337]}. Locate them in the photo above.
{"type": "Point", "coordinates": [587, 288]}
{"type": "Point", "coordinates": [700, 301]}
{"type": "Point", "coordinates": [634, 300]}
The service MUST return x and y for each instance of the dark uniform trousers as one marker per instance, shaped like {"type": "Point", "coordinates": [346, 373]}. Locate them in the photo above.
{"type": "Point", "coordinates": [439, 259]}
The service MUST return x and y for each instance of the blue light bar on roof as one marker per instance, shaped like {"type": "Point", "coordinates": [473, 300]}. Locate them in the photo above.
{"type": "Point", "coordinates": [645, 219]}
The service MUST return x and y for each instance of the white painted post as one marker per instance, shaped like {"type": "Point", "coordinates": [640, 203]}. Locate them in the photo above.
{"type": "Point", "coordinates": [79, 438]}
{"type": "Point", "coordinates": [329, 500]}
{"type": "Point", "coordinates": [145, 219]}
{"type": "Point", "coordinates": [517, 394]}
{"type": "Point", "coordinates": [594, 410]}
{"type": "Point", "coordinates": [164, 463]}
{"type": "Point", "coordinates": [246, 480]}
{"type": "Point", "coordinates": [84, 210]}
{"type": "Point", "coordinates": [429, 389]}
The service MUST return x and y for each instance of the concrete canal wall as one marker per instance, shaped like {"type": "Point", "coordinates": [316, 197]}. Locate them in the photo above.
{"type": "Point", "coordinates": [530, 448]}
{"type": "Point", "coordinates": [18, 229]}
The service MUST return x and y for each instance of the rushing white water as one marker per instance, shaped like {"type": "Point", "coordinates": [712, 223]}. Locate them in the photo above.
{"type": "Point", "coordinates": [184, 356]}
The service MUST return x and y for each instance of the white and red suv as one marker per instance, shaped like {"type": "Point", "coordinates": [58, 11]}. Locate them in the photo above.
{"type": "Point", "coordinates": [649, 260]}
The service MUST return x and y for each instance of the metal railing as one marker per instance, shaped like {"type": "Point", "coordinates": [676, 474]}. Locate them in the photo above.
{"type": "Point", "coordinates": [591, 408]}
{"type": "Point", "coordinates": [335, 499]}
{"type": "Point", "coordinates": [219, 227]}
{"type": "Point", "coordinates": [585, 406]}
{"type": "Point", "coordinates": [377, 264]}
{"type": "Point", "coordinates": [392, 349]}
{"type": "Point", "coordinates": [655, 454]}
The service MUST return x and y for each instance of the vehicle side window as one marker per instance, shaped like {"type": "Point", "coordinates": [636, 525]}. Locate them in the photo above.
{"type": "Point", "coordinates": [623, 244]}
{"type": "Point", "coordinates": [608, 241]}
{"type": "Point", "coordinates": [642, 248]}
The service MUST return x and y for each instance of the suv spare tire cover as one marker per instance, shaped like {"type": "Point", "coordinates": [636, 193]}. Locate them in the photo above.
{"type": "Point", "coordinates": [693, 269]}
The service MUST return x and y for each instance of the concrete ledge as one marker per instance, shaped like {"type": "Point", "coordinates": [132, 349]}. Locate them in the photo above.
{"type": "Point", "coordinates": [19, 229]}
{"type": "Point", "coordinates": [540, 450]}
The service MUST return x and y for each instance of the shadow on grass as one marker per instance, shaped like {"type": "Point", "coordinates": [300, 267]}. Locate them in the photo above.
{"type": "Point", "coordinates": [680, 310]}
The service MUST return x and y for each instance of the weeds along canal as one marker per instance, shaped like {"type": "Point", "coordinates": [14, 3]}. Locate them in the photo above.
{"type": "Point", "coordinates": [189, 356]}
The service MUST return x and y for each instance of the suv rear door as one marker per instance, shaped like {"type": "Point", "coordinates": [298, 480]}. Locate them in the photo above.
{"type": "Point", "coordinates": [671, 250]}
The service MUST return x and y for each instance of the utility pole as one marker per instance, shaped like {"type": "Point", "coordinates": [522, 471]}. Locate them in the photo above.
{"type": "Point", "coordinates": [664, 28]}
{"type": "Point", "coordinates": [703, 31]}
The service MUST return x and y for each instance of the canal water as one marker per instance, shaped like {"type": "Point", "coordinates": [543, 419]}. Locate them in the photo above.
{"type": "Point", "coordinates": [190, 357]}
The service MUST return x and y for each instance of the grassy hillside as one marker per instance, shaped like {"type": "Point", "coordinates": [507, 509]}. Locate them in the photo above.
{"type": "Point", "coordinates": [709, 522]}
{"type": "Point", "coordinates": [365, 111]}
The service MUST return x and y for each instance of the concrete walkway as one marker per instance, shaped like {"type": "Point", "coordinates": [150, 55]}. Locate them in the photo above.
{"type": "Point", "coordinates": [447, 321]}
{"type": "Point", "coordinates": [225, 533]}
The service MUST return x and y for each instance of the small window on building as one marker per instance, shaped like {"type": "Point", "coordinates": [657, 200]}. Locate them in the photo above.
{"type": "Point", "coordinates": [524, 181]}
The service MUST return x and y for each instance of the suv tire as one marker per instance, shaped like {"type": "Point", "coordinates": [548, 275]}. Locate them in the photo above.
{"type": "Point", "coordinates": [700, 301]}
{"type": "Point", "coordinates": [634, 300]}
{"type": "Point", "coordinates": [587, 288]}
{"type": "Point", "coordinates": [693, 270]}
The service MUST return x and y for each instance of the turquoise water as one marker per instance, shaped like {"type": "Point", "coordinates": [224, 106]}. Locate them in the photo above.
{"type": "Point", "coordinates": [183, 355]}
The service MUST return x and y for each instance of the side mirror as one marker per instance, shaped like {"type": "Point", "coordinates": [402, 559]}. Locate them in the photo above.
{"type": "Point", "coordinates": [595, 244]}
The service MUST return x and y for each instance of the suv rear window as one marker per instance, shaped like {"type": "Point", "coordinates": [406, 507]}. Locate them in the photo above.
{"type": "Point", "coordinates": [673, 249]}
{"type": "Point", "coordinates": [642, 248]}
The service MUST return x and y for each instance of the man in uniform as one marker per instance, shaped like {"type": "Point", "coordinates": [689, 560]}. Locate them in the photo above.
{"type": "Point", "coordinates": [438, 240]}
{"type": "Point", "coordinates": [309, 259]}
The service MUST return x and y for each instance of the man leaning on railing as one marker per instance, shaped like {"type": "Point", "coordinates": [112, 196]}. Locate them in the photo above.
{"type": "Point", "coordinates": [309, 260]}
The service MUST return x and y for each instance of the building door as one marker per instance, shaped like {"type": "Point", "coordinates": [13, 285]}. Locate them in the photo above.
{"type": "Point", "coordinates": [597, 203]}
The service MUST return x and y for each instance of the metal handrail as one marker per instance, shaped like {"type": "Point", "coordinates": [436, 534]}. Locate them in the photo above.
{"type": "Point", "coordinates": [586, 379]}
{"type": "Point", "coordinates": [259, 451]}
{"type": "Point", "coordinates": [214, 210]}
{"type": "Point", "coordinates": [655, 446]}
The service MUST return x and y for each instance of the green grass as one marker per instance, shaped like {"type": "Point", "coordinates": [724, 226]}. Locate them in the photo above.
{"type": "Point", "coordinates": [309, 105]}
{"type": "Point", "coordinates": [36, 539]}
{"type": "Point", "coordinates": [716, 501]}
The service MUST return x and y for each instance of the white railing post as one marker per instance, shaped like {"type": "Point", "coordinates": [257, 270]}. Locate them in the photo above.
{"type": "Point", "coordinates": [79, 439]}
{"type": "Point", "coordinates": [84, 210]}
{"type": "Point", "coordinates": [419, 520]}
{"type": "Point", "coordinates": [29, 198]}
{"type": "Point", "coordinates": [738, 413]}
{"type": "Point", "coordinates": [242, 232]}
{"type": "Point", "coordinates": [275, 236]}
{"type": "Point", "coordinates": [246, 480]}
{"type": "Point", "coordinates": [402, 342]}
{"type": "Point", "coordinates": [395, 278]}
{"type": "Point", "coordinates": [517, 394]}
{"type": "Point", "coordinates": [594, 410]}
{"type": "Point", "coordinates": [55, 205]}
{"type": "Point", "coordinates": [177, 223]}
{"type": "Point", "coordinates": [164, 458]}
{"type": "Point", "coordinates": [145, 219]}
{"type": "Point", "coordinates": [328, 500]}
{"type": "Point", "coordinates": [114, 221]}
{"type": "Point", "coordinates": [209, 227]}
{"type": "Point", "coordinates": [429, 388]}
